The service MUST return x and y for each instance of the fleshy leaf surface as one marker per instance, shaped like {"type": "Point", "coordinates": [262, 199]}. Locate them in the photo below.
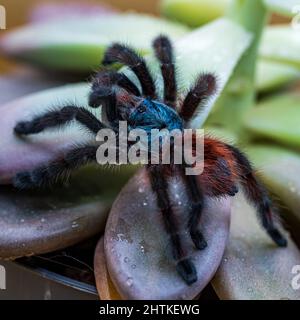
{"type": "Point", "coordinates": [253, 268]}
{"type": "Point", "coordinates": [137, 248]}
{"type": "Point", "coordinates": [105, 287]}
{"type": "Point", "coordinates": [277, 118]}
{"type": "Point", "coordinates": [54, 11]}
{"type": "Point", "coordinates": [272, 75]}
{"type": "Point", "coordinates": [279, 170]}
{"type": "Point", "coordinates": [18, 154]}
{"type": "Point", "coordinates": [281, 43]}
{"type": "Point", "coordinates": [16, 84]}
{"type": "Point", "coordinates": [78, 44]}
{"type": "Point", "coordinates": [39, 222]}
{"type": "Point", "coordinates": [284, 7]}
{"type": "Point", "coordinates": [193, 13]}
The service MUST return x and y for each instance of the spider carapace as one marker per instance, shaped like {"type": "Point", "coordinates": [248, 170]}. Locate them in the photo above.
{"type": "Point", "coordinates": [225, 166]}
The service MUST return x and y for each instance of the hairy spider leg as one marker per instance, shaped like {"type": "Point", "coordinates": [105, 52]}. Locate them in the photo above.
{"type": "Point", "coordinates": [45, 175]}
{"type": "Point", "coordinates": [197, 203]}
{"type": "Point", "coordinates": [106, 97]}
{"type": "Point", "coordinates": [258, 196]}
{"type": "Point", "coordinates": [103, 82]}
{"type": "Point", "coordinates": [164, 53]}
{"type": "Point", "coordinates": [112, 77]}
{"type": "Point", "coordinates": [118, 53]}
{"type": "Point", "coordinates": [185, 267]}
{"type": "Point", "coordinates": [59, 117]}
{"type": "Point", "coordinates": [198, 95]}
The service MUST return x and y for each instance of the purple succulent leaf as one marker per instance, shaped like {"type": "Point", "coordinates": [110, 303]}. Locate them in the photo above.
{"type": "Point", "coordinates": [24, 153]}
{"type": "Point", "coordinates": [253, 267]}
{"type": "Point", "coordinates": [137, 247]}
{"type": "Point", "coordinates": [39, 222]}
{"type": "Point", "coordinates": [16, 84]}
{"type": "Point", "coordinates": [53, 11]}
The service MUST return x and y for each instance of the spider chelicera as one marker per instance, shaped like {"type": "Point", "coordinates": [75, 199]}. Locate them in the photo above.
{"type": "Point", "coordinates": [225, 166]}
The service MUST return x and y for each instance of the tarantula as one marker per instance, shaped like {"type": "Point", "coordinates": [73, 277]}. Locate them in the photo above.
{"type": "Point", "coordinates": [224, 165]}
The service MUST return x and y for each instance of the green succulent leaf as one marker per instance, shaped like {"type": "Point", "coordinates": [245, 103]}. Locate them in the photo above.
{"type": "Point", "coordinates": [239, 95]}
{"type": "Point", "coordinates": [276, 118]}
{"type": "Point", "coordinates": [194, 13]}
{"type": "Point", "coordinates": [221, 134]}
{"type": "Point", "coordinates": [283, 7]}
{"type": "Point", "coordinates": [272, 75]}
{"type": "Point", "coordinates": [281, 43]}
{"type": "Point", "coordinates": [78, 45]}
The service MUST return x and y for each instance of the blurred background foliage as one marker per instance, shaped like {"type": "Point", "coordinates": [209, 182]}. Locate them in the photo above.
{"type": "Point", "coordinates": [18, 12]}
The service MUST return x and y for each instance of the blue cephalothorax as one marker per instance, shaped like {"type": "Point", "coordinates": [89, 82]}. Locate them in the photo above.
{"type": "Point", "coordinates": [151, 114]}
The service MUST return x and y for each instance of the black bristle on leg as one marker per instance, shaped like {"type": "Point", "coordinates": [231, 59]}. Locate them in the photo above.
{"type": "Point", "coordinates": [203, 89]}
{"type": "Point", "coordinates": [118, 53]}
{"type": "Point", "coordinates": [58, 118]}
{"type": "Point", "coordinates": [106, 97]}
{"type": "Point", "coordinates": [197, 201]}
{"type": "Point", "coordinates": [258, 196]}
{"type": "Point", "coordinates": [164, 53]}
{"type": "Point", "coordinates": [185, 267]}
{"type": "Point", "coordinates": [46, 175]}
{"type": "Point", "coordinates": [104, 82]}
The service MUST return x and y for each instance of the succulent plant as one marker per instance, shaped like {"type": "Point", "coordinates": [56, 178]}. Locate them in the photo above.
{"type": "Point", "coordinates": [128, 261]}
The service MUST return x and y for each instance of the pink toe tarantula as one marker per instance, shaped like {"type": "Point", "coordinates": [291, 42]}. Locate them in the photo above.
{"type": "Point", "coordinates": [225, 166]}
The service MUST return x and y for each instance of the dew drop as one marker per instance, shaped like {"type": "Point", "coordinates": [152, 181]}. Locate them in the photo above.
{"type": "Point", "coordinates": [179, 203]}
{"type": "Point", "coordinates": [75, 225]}
{"type": "Point", "coordinates": [126, 259]}
{"type": "Point", "coordinates": [47, 294]}
{"type": "Point", "coordinates": [133, 266]}
{"type": "Point", "coordinates": [129, 282]}
{"type": "Point", "coordinates": [145, 203]}
{"type": "Point", "coordinates": [22, 220]}
{"type": "Point", "coordinates": [292, 187]}
{"type": "Point", "coordinates": [142, 249]}
{"type": "Point", "coordinates": [43, 220]}
{"type": "Point", "coordinates": [141, 190]}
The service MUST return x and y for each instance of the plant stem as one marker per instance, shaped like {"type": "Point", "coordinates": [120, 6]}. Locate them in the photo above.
{"type": "Point", "coordinates": [239, 94]}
